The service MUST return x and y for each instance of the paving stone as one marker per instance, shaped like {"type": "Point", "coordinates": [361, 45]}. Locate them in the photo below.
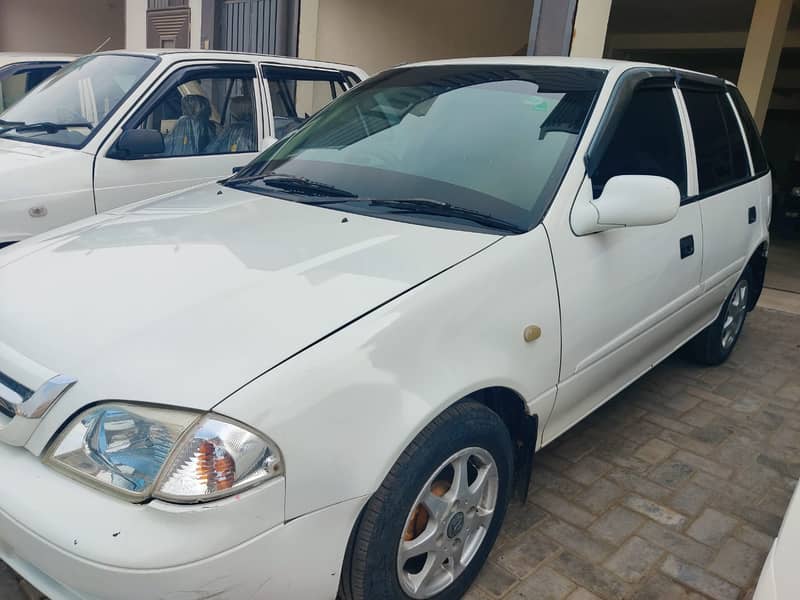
{"type": "Point", "coordinates": [657, 512]}
{"type": "Point", "coordinates": [671, 424]}
{"type": "Point", "coordinates": [575, 447]}
{"type": "Point", "coordinates": [737, 562]}
{"type": "Point", "coordinates": [590, 576]}
{"type": "Point", "coordinates": [753, 537]}
{"type": "Point", "coordinates": [703, 464]}
{"type": "Point", "coordinates": [9, 586]}
{"type": "Point", "coordinates": [678, 544]}
{"type": "Point", "coordinates": [655, 450]}
{"type": "Point", "coordinates": [661, 587]}
{"type": "Point", "coordinates": [711, 527]}
{"type": "Point", "coordinates": [683, 402]}
{"type": "Point", "coordinates": [724, 487]}
{"type": "Point", "coordinates": [690, 499]}
{"type": "Point", "coordinates": [582, 594]}
{"type": "Point", "coordinates": [715, 433]}
{"type": "Point", "coordinates": [495, 580]}
{"type": "Point", "coordinates": [672, 473]}
{"type": "Point", "coordinates": [555, 482]}
{"type": "Point", "coordinates": [588, 470]}
{"type": "Point", "coordinates": [790, 391]}
{"type": "Point", "coordinates": [688, 443]}
{"type": "Point", "coordinates": [521, 517]}
{"type": "Point", "coordinates": [616, 525]}
{"type": "Point", "coordinates": [634, 559]}
{"type": "Point", "coordinates": [544, 584]}
{"type": "Point", "coordinates": [600, 495]}
{"type": "Point", "coordinates": [699, 417]}
{"type": "Point", "coordinates": [523, 555]}
{"type": "Point", "coordinates": [563, 509]}
{"type": "Point", "coordinates": [577, 540]}
{"type": "Point", "coordinates": [709, 396]}
{"type": "Point", "coordinates": [640, 485]}
{"type": "Point", "coordinates": [700, 580]}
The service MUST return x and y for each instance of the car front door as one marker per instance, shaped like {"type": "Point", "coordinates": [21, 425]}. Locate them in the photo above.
{"type": "Point", "coordinates": [627, 294]}
{"type": "Point", "coordinates": [210, 119]}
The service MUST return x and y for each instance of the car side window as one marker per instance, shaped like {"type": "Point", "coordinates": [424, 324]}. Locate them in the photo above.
{"type": "Point", "coordinates": [297, 94]}
{"type": "Point", "coordinates": [718, 142]}
{"type": "Point", "coordinates": [760, 164]}
{"type": "Point", "coordinates": [647, 141]}
{"type": "Point", "coordinates": [17, 81]}
{"type": "Point", "coordinates": [210, 113]}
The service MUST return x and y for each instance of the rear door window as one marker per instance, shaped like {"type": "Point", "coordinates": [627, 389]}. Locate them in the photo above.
{"type": "Point", "coordinates": [297, 94]}
{"type": "Point", "coordinates": [719, 145]}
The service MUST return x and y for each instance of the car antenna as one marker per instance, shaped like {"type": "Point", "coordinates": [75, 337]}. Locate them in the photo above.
{"type": "Point", "coordinates": [105, 41]}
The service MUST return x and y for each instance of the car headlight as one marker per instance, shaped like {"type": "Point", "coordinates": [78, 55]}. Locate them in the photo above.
{"type": "Point", "coordinates": [176, 455]}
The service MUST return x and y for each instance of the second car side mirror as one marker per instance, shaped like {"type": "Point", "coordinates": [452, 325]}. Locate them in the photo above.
{"type": "Point", "coordinates": [136, 143]}
{"type": "Point", "coordinates": [626, 201]}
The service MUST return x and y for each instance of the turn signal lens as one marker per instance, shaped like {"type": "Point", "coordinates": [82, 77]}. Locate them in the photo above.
{"type": "Point", "coordinates": [217, 458]}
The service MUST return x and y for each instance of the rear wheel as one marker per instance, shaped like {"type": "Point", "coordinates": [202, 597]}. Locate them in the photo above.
{"type": "Point", "coordinates": [428, 529]}
{"type": "Point", "coordinates": [714, 344]}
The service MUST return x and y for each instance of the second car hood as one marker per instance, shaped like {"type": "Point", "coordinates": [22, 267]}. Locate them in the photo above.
{"type": "Point", "coordinates": [182, 300]}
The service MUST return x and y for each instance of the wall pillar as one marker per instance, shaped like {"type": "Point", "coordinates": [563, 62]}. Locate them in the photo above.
{"type": "Point", "coordinates": [308, 31]}
{"type": "Point", "coordinates": [589, 31]}
{"type": "Point", "coordinates": [762, 53]}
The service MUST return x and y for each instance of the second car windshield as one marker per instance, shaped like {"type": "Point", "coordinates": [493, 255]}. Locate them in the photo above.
{"type": "Point", "coordinates": [65, 108]}
{"type": "Point", "coordinates": [493, 140]}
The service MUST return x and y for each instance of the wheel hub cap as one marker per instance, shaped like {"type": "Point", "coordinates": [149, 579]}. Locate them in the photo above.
{"type": "Point", "coordinates": [735, 313]}
{"type": "Point", "coordinates": [448, 523]}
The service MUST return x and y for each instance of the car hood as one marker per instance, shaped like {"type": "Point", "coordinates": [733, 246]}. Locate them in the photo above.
{"type": "Point", "coordinates": [183, 300]}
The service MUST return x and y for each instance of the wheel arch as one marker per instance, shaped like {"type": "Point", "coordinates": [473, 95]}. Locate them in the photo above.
{"type": "Point", "coordinates": [758, 268]}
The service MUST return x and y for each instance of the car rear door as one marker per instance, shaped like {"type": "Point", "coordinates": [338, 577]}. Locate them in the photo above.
{"type": "Point", "coordinates": [210, 115]}
{"type": "Point", "coordinates": [729, 187]}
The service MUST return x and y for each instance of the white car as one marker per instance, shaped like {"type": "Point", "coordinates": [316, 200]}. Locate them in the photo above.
{"type": "Point", "coordinates": [21, 72]}
{"type": "Point", "coordinates": [330, 371]}
{"type": "Point", "coordinates": [780, 578]}
{"type": "Point", "coordinates": [117, 127]}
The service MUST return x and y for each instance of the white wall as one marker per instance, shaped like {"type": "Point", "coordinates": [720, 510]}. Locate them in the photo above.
{"type": "Point", "coordinates": [77, 26]}
{"type": "Point", "coordinates": [375, 34]}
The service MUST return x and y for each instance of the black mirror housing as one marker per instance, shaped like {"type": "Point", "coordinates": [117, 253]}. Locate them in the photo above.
{"type": "Point", "coordinates": [138, 143]}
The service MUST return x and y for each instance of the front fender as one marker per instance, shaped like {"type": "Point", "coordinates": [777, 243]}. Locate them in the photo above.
{"type": "Point", "coordinates": [343, 410]}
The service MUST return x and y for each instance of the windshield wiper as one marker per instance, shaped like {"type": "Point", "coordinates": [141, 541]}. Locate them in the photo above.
{"type": "Point", "coordinates": [427, 206]}
{"type": "Point", "coordinates": [49, 127]}
{"type": "Point", "coordinates": [293, 184]}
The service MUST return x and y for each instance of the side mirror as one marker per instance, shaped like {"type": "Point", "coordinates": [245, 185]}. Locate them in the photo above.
{"type": "Point", "coordinates": [626, 201]}
{"type": "Point", "coordinates": [135, 143]}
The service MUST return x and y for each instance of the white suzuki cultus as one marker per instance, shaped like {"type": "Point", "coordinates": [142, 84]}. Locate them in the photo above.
{"type": "Point", "coordinates": [328, 373]}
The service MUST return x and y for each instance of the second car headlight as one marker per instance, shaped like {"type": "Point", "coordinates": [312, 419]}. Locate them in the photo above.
{"type": "Point", "coordinates": [177, 455]}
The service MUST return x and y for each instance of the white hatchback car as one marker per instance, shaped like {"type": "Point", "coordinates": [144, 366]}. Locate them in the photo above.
{"type": "Point", "coordinates": [116, 127]}
{"type": "Point", "coordinates": [330, 371]}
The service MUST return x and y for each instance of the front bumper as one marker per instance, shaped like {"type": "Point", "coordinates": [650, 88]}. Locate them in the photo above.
{"type": "Point", "coordinates": [76, 543]}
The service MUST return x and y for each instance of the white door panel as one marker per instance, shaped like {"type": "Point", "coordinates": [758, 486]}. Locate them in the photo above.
{"type": "Point", "coordinates": [627, 298]}
{"type": "Point", "coordinates": [120, 182]}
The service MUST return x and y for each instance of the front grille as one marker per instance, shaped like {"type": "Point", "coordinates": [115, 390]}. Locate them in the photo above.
{"type": "Point", "coordinates": [6, 405]}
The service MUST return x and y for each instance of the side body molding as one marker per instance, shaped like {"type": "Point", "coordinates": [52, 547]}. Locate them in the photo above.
{"type": "Point", "coordinates": [21, 408]}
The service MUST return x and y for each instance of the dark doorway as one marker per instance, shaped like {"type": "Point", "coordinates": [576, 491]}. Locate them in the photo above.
{"type": "Point", "coordinates": [260, 26]}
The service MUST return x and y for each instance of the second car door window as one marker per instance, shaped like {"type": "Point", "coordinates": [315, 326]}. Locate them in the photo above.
{"type": "Point", "coordinates": [718, 142]}
{"type": "Point", "coordinates": [296, 94]}
{"type": "Point", "coordinates": [208, 115]}
{"type": "Point", "coordinates": [648, 141]}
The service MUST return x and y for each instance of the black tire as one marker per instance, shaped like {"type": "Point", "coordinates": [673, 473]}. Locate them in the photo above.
{"type": "Point", "coordinates": [370, 569]}
{"type": "Point", "coordinates": [706, 347]}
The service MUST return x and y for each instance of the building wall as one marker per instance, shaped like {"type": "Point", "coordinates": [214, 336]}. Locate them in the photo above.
{"type": "Point", "coordinates": [375, 34]}
{"type": "Point", "coordinates": [61, 25]}
{"type": "Point", "coordinates": [136, 24]}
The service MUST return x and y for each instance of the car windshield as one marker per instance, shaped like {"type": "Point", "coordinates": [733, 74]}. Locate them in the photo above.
{"type": "Point", "coordinates": [65, 108]}
{"type": "Point", "coordinates": [459, 146]}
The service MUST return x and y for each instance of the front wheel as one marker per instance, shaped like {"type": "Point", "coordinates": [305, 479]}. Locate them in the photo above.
{"type": "Point", "coordinates": [428, 529]}
{"type": "Point", "coordinates": [714, 344]}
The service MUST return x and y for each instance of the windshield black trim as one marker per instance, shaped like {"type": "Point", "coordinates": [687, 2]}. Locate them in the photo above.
{"type": "Point", "coordinates": [100, 124]}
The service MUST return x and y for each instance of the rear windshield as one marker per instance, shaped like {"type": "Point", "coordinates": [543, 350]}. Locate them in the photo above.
{"type": "Point", "coordinates": [493, 139]}
{"type": "Point", "coordinates": [67, 107]}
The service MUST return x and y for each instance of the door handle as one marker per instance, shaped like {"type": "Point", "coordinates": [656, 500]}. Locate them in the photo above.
{"type": "Point", "coordinates": [751, 215]}
{"type": "Point", "coordinates": [687, 246]}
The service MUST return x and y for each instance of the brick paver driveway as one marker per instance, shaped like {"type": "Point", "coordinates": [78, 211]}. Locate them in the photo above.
{"type": "Point", "coordinates": [674, 489]}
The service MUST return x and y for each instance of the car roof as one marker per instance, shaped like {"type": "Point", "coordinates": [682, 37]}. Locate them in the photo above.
{"type": "Point", "coordinates": [606, 64]}
{"type": "Point", "coordinates": [175, 55]}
